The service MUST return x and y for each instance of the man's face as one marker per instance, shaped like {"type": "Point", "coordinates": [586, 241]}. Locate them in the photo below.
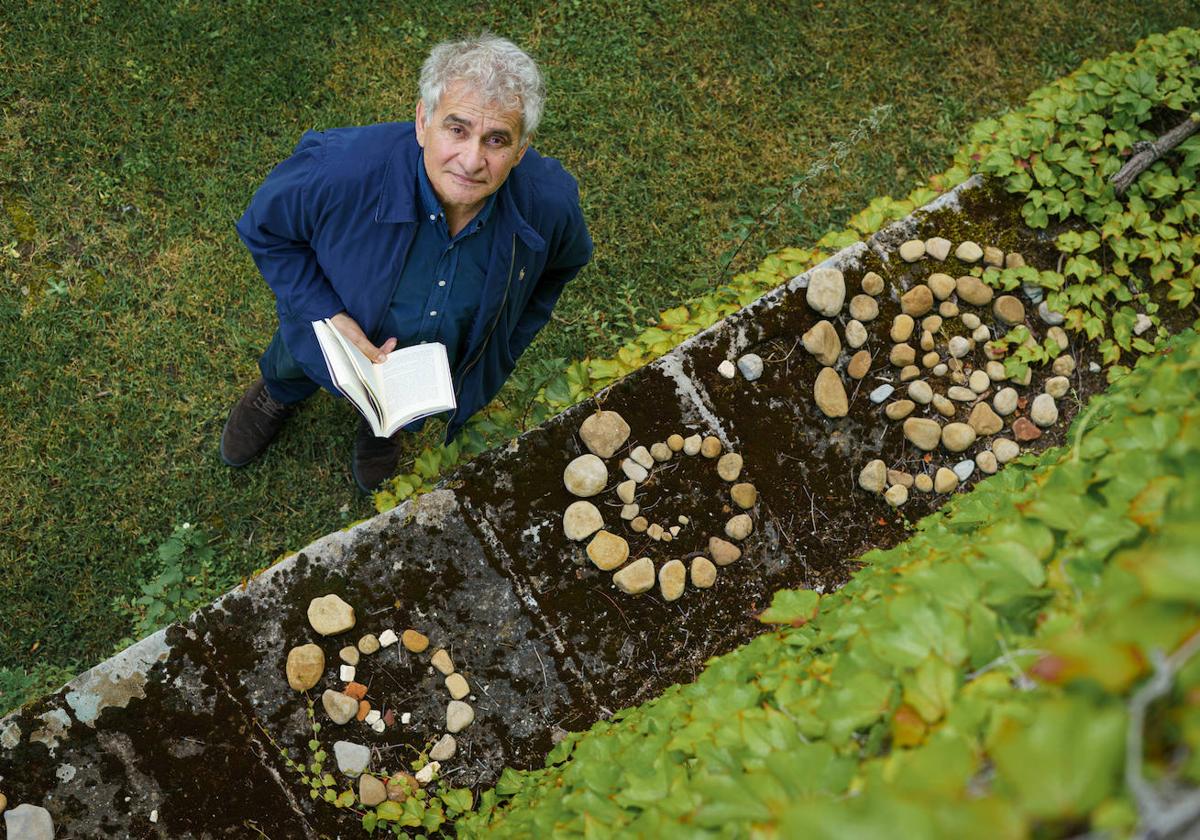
{"type": "Point", "coordinates": [470, 147]}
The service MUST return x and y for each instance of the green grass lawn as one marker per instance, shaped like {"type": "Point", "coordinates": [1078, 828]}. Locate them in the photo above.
{"type": "Point", "coordinates": [132, 136]}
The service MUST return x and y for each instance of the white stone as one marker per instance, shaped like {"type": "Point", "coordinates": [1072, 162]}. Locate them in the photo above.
{"type": "Point", "coordinates": [585, 476]}
{"type": "Point", "coordinates": [642, 456]}
{"type": "Point", "coordinates": [856, 334]}
{"type": "Point", "coordinates": [633, 470]}
{"type": "Point", "coordinates": [630, 512]}
{"type": "Point", "coordinates": [979, 381]}
{"type": "Point", "coordinates": [727, 369]}
{"type": "Point", "coordinates": [660, 452]}
{"type": "Point", "coordinates": [581, 520]}
{"type": "Point", "coordinates": [970, 320]}
{"type": "Point", "coordinates": [691, 445]}
{"type": "Point", "coordinates": [458, 686]}
{"type": "Point", "coordinates": [1142, 323]}
{"type": "Point", "coordinates": [1044, 411]}
{"type": "Point", "coordinates": [981, 334]}
{"type": "Point", "coordinates": [873, 477]}
{"type": "Point", "coordinates": [826, 291]}
{"type": "Point", "coordinates": [459, 716]}
{"type": "Point", "coordinates": [882, 393]}
{"type": "Point", "coordinates": [372, 717]}
{"type": "Point", "coordinates": [940, 369]}
{"type": "Point", "coordinates": [444, 749]}
{"type": "Point", "coordinates": [964, 468]}
{"type": "Point", "coordinates": [603, 433]}
{"type": "Point", "coordinates": [959, 346]}
{"type": "Point", "coordinates": [968, 252]}
{"type": "Point", "coordinates": [28, 822]}
{"type": "Point", "coordinates": [425, 774]}
{"type": "Point", "coordinates": [378, 726]}
{"type": "Point", "coordinates": [636, 578]}
{"type": "Point", "coordinates": [341, 708]}
{"type": "Point", "coordinates": [937, 247]}
{"type": "Point", "coordinates": [1005, 401]}
{"type": "Point", "coordinates": [896, 495]}
{"type": "Point", "coordinates": [960, 394]}
{"type": "Point", "coordinates": [751, 366]}
{"type": "Point", "coordinates": [347, 673]}
{"type": "Point", "coordinates": [1048, 315]}
{"type": "Point", "coordinates": [388, 638]}
{"type": "Point", "coordinates": [920, 392]}
{"type": "Point", "coordinates": [352, 759]}
{"type": "Point", "coordinates": [986, 461]}
{"type": "Point", "coordinates": [406, 718]}
{"type": "Point", "coordinates": [996, 372]}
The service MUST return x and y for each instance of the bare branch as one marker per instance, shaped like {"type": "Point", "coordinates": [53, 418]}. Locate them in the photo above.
{"type": "Point", "coordinates": [1145, 153]}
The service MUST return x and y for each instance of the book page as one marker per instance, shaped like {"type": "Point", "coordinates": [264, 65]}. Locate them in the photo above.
{"type": "Point", "coordinates": [345, 374]}
{"type": "Point", "coordinates": [416, 382]}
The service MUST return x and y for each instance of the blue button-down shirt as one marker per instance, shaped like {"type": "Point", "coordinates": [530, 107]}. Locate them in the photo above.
{"type": "Point", "coordinates": [442, 280]}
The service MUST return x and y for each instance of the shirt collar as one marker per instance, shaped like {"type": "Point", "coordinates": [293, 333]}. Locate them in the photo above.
{"type": "Point", "coordinates": [432, 208]}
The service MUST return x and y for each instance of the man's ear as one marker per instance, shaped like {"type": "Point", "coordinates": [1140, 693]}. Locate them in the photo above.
{"type": "Point", "coordinates": [522, 151]}
{"type": "Point", "coordinates": [421, 123]}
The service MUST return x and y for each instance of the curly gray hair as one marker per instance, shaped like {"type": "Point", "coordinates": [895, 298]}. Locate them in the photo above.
{"type": "Point", "coordinates": [499, 70]}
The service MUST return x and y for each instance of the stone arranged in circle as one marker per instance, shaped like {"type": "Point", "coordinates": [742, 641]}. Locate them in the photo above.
{"type": "Point", "coordinates": [627, 490]}
{"type": "Point", "coordinates": [692, 445]}
{"type": "Point", "coordinates": [457, 685]}
{"type": "Point", "coordinates": [672, 578]}
{"type": "Point", "coordinates": [902, 327]}
{"type": "Point", "coordinates": [581, 520]}
{"type": "Point", "coordinates": [744, 495]}
{"type": "Point", "coordinates": [968, 252]}
{"type": "Point", "coordinates": [641, 456]}
{"type": "Point", "coordinates": [937, 247]}
{"type": "Point", "coordinates": [585, 476]}
{"type": "Point", "coordinates": [675, 442]}
{"type": "Point", "coordinates": [607, 551]}
{"type": "Point", "coordinates": [414, 641]}
{"type": "Point", "coordinates": [703, 573]}
{"type": "Point", "coordinates": [822, 341]}
{"type": "Point", "coordinates": [660, 452]}
{"type": "Point", "coordinates": [860, 365]}
{"type": "Point", "coordinates": [739, 527]}
{"type": "Point", "coordinates": [974, 291]}
{"type": "Point", "coordinates": [856, 334]}
{"type": "Point", "coordinates": [944, 480]}
{"type": "Point", "coordinates": [873, 477]}
{"type": "Point", "coordinates": [636, 578]}
{"type": "Point", "coordinates": [872, 283]}
{"type": "Point", "coordinates": [349, 654]}
{"type": "Point", "coordinates": [896, 495]}
{"type": "Point", "coordinates": [917, 301]}
{"type": "Point", "coordinates": [942, 285]}
{"type": "Point", "coordinates": [722, 551]}
{"type": "Point", "coordinates": [603, 433]}
{"type": "Point", "coordinates": [1005, 450]}
{"type": "Point", "coordinates": [958, 437]}
{"type": "Point", "coordinates": [633, 470]}
{"type": "Point", "coordinates": [459, 716]}
{"type": "Point", "coordinates": [710, 447]}
{"type": "Point", "coordinates": [729, 466]}
{"type": "Point", "coordinates": [442, 661]}
{"type": "Point", "coordinates": [912, 250]}
{"type": "Point", "coordinates": [864, 308]}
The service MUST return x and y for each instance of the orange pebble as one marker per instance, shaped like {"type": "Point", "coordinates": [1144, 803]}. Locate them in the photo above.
{"type": "Point", "coordinates": [363, 708]}
{"type": "Point", "coordinates": [356, 690]}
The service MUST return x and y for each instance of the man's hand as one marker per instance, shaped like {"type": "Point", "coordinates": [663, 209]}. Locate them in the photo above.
{"type": "Point", "coordinates": [349, 328]}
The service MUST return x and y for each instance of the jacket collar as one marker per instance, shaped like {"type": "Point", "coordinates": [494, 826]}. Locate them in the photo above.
{"type": "Point", "coordinates": [399, 202]}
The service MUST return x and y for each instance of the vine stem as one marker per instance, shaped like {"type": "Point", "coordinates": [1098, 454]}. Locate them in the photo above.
{"type": "Point", "coordinates": [1157, 818]}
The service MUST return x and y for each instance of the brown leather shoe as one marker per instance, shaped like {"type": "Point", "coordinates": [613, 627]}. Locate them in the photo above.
{"type": "Point", "coordinates": [375, 458]}
{"type": "Point", "coordinates": [252, 425]}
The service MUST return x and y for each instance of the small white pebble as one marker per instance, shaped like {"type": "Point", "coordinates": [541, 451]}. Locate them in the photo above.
{"type": "Point", "coordinates": [379, 726]}
{"type": "Point", "coordinates": [154, 816]}
{"type": "Point", "coordinates": [727, 369]}
{"type": "Point", "coordinates": [347, 673]}
{"type": "Point", "coordinates": [388, 638]}
{"type": "Point", "coordinates": [373, 716]}
{"type": "Point", "coordinates": [406, 718]}
{"type": "Point", "coordinates": [683, 520]}
{"type": "Point", "coordinates": [425, 774]}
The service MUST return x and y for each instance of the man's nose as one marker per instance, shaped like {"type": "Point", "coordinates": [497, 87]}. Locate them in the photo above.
{"type": "Point", "coordinates": [475, 158]}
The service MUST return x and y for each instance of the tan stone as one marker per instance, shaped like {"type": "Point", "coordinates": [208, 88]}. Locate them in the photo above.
{"type": "Point", "coordinates": [457, 685]}
{"type": "Point", "coordinates": [984, 421]}
{"type": "Point", "coordinates": [856, 334]}
{"type": "Point", "coordinates": [722, 551]}
{"type": "Point", "coordinates": [986, 461]}
{"type": "Point", "coordinates": [305, 665]}
{"type": "Point", "coordinates": [739, 527]}
{"type": "Point", "coordinates": [899, 409]}
{"type": "Point", "coordinates": [371, 791]}
{"type": "Point", "coordinates": [864, 308]}
{"type": "Point", "coordinates": [822, 341]}
{"type": "Point", "coordinates": [931, 323]}
{"type": "Point", "coordinates": [607, 551]}
{"type": "Point", "coordinates": [947, 309]}
{"type": "Point", "coordinates": [930, 359]}
{"type": "Point", "coordinates": [1009, 310]}
{"type": "Point", "coordinates": [414, 641]}
{"type": "Point", "coordinates": [909, 372]}
{"type": "Point", "coordinates": [830, 394]}
{"type": "Point", "coordinates": [896, 495]}
{"type": "Point", "coordinates": [937, 247]}
{"type": "Point", "coordinates": [968, 252]}
{"type": "Point", "coordinates": [729, 466]}
{"type": "Point", "coordinates": [826, 291]}
{"type": "Point", "coordinates": [912, 250]}
{"type": "Point", "coordinates": [872, 283]}
{"type": "Point", "coordinates": [710, 447]}
{"type": "Point", "coordinates": [627, 491]}
{"type": "Point", "coordinates": [675, 442]}
{"type": "Point", "coordinates": [942, 285]}
{"type": "Point", "coordinates": [928, 343]}
{"type": "Point", "coordinates": [993, 256]}
{"type": "Point", "coordinates": [917, 301]}
{"type": "Point", "coordinates": [604, 432]}
{"type": "Point", "coordinates": [349, 654]}
{"type": "Point", "coordinates": [1059, 336]}
{"type": "Point", "coordinates": [639, 524]}
{"type": "Point", "coordinates": [585, 476]}
{"type": "Point", "coordinates": [899, 477]}
{"type": "Point", "coordinates": [945, 481]}
{"type": "Point", "coordinates": [330, 615]}
{"type": "Point", "coordinates": [902, 355]}
{"type": "Point", "coordinates": [368, 644]}
{"type": "Point", "coordinates": [974, 291]}
{"type": "Point", "coordinates": [943, 406]}
{"type": "Point", "coordinates": [873, 477]}
{"type": "Point", "coordinates": [660, 452]}
{"type": "Point", "coordinates": [957, 437]}
{"type": "Point", "coordinates": [744, 495]}
{"type": "Point", "coordinates": [442, 661]}
{"type": "Point", "coordinates": [923, 483]}
{"type": "Point", "coordinates": [902, 328]}
{"type": "Point", "coordinates": [1014, 260]}
{"type": "Point", "coordinates": [636, 578]}
{"type": "Point", "coordinates": [672, 578]}
{"type": "Point", "coordinates": [703, 573]}
{"type": "Point", "coordinates": [860, 365]}
{"type": "Point", "coordinates": [922, 433]}
{"type": "Point", "coordinates": [1063, 366]}
{"type": "Point", "coordinates": [581, 519]}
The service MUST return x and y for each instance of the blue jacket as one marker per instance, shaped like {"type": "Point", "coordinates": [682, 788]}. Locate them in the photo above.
{"type": "Point", "coordinates": [331, 226]}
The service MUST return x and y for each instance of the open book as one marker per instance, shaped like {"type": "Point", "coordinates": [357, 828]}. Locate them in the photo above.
{"type": "Point", "coordinates": [414, 382]}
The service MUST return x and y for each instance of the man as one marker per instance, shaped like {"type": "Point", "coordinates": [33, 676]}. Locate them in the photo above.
{"type": "Point", "coordinates": [448, 229]}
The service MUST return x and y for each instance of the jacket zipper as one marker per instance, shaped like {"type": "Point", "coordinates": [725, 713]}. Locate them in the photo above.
{"type": "Point", "coordinates": [503, 300]}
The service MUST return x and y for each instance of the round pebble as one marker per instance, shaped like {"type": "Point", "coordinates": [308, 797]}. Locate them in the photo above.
{"type": "Point", "coordinates": [722, 551]}
{"type": "Point", "coordinates": [627, 491]}
{"type": "Point", "coordinates": [826, 291]}
{"type": "Point", "coordinates": [979, 381]}
{"type": "Point", "coordinates": [744, 495]}
{"type": "Point", "coordinates": [947, 309]}
{"type": "Point", "coordinates": [957, 437]}
{"type": "Point", "coordinates": [739, 527]}
{"type": "Point", "coordinates": [899, 409]}
{"type": "Point", "coordinates": [1009, 309]}
{"type": "Point", "coordinates": [902, 327]}
{"type": "Point", "coordinates": [860, 365]}
{"type": "Point", "coordinates": [751, 366]}
{"type": "Point", "coordinates": [960, 394]}
{"type": "Point", "coordinates": [940, 370]}
{"type": "Point", "coordinates": [942, 285]}
{"type": "Point", "coordinates": [710, 447]}
{"type": "Point", "coordinates": [981, 334]}
{"type": "Point", "coordinates": [1005, 401]}
{"type": "Point", "coordinates": [856, 334]}
{"type": "Point", "coordinates": [1005, 450]}
{"type": "Point", "coordinates": [996, 372]}
{"type": "Point", "coordinates": [864, 308]}
{"type": "Point", "coordinates": [972, 290]}
{"type": "Point", "coordinates": [1057, 386]}
{"type": "Point", "coordinates": [349, 654]}
{"type": "Point", "coordinates": [922, 433]}
{"type": "Point", "coordinates": [633, 470]}
{"type": "Point", "coordinates": [937, 247]}
{"type": "Point", "coordinates": [959, 346]}
{"type": "Point", "coordinates": [641, 455]}
{"type": "Point", "coordinates": [607, 551]}
{"type": "Point", "coordinates": [672, 578]}
{"type": "Point", "coordinates": [330, 615]}
{"type": "Point", "coordinates": [305, 665]}
{"type": "Point", "coordinates": [1063, 366]}
{"type": "Point", "coordinates": [703, 573]}
{"type": "Point", "coordinates": [872, 283]}
{"type": "Point", "coordinates": [970, 320]}
{"type": "Point", "coordinates": [944, 406]}
{"type": "Point", "coordinates": [830, 394]}
{"type": "Point", "coordinates": [727, 369]}
{"type": "Point", "coordinates": [692, 445]}
{"type": "Point", "coordinates": [920, 392]}
{"type": "Point", "coordinates": [917, 301]}
{"type": "Point", "coordinates": [459, 716]}
{"type": "Point", "coordinates": [675, 443]}
{"type": "Point", "coordinates": [881, 393]}
{"type": "Point", "coordinates": [729, 466]}
{"type": "Point", "coordinates": [899, 477]}
{"type": "Point", "coordinates": [660, 452]}
{"type": "Point", "coordinates": [963, 469]}
{"type": "Point", "coordinates": [945, 481]}
{"type": "Point", "coordinates": [873, 477]}
{"type": "Point", "coordinates": [930, 360]}
{"type": "Point", "coordinates": [986, 461]}
{"type": "Point", "coordinates": [896, 495]}
{"type": "Point", "coordinates": [368, 644]}
{"type": "Point", "coordinates": [414, 641]}
{"type": "Point", "coordinates": [1044, 410]}
{"type": "Point", "coordinates": [639, 524]}
{"type": "Point", "coordinates": [603, 433]}
{"type": "Point", "coordinates": [923, 483]}
{"type": "Point", "coordinates": [968, 252]}
{"type": "Point", "coordinates": [581, 520]}
{"type": "Point", "coordinates": [912, 250]}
